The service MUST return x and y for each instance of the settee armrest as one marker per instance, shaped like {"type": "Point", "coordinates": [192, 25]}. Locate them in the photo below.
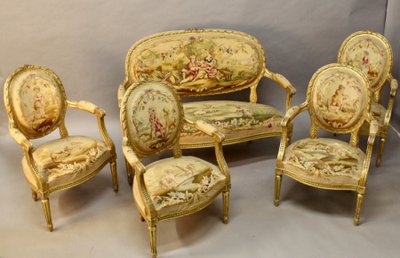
{"type": "Point", "coordinates": [393, 90]}
{"type": "Point", "coordinates": [284, 83]}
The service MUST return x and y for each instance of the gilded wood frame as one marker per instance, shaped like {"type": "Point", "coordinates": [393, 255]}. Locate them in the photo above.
{"type": "Point", "coordinates": [135, 165]}
{"type": "Point", "coordinates": [386, 77]}
{"type": "Point", "coordinates": [285, 141]}
{"type": "Point", "coordinates": [42, 187]}
{"type": "Point", "coordinates": [263, 72]}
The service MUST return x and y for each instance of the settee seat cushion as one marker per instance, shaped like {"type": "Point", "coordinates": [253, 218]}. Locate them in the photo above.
{"type": "Point", "coordinates": [325, 162]}
{"type": "Point", "coordinates": [64, 161]}
{"type": "Point", "coordinates": [239, 121]}
{"type": "Point", "coordinates": [179, 184]}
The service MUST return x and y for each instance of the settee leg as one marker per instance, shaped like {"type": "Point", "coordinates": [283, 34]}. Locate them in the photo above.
{"type": "Point", "coordinates": [278, 183]}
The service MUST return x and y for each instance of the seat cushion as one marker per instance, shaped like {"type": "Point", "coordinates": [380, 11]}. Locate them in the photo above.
{"type": "Point", "coordinates": [178, 184]}
{"type": "Point", "coordinates": [67, 160]}
{"type": "Point", "coordinates": [326, 162]}
{"type": "Point", "coordinates": [238, 120]}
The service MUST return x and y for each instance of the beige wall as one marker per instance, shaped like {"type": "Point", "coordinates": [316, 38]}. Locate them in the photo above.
{"type": "Point", "coordinates": [85, 42]}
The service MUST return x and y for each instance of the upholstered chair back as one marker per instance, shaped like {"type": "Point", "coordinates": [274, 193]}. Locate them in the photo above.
{"type": "Point", "coordinates": [338, 98]}
{"type": "Point", "coordinates": [370, 52]}
{"type": "Point", "coordinates": [35, 99]}
{"type": "Point", "coordinates": [151, 117]}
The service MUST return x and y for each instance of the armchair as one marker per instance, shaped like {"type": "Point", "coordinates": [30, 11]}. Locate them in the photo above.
{"type": "Point", "coordinates": [338, 101]}
{"type": "Point", "coordinates": [36, 105]}
{"type": "Point", "coordinates": [371, 53]}
{"type": "Point", "coordinates": [151, 121]}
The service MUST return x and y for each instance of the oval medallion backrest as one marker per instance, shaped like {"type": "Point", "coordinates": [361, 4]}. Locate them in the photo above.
{"type": "Point", "coordinates": [152, 117]}
{"type": "Point", "coordinates": [35, 100]}
{"type": "Point", "coordinates": [197, 62]}
{"type": "Point", "coordinates": [338, 98]}
{"type": "Point", "coordinates": [369, 52]}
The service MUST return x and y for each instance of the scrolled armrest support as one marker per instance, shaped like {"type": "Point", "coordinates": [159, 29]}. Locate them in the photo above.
{"type": "Point", "coordinates": [140, 169]}
{"type": "Point", "coordinates": [373, 130]}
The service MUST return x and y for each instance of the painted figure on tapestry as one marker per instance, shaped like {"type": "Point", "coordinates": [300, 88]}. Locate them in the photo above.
{"type": "Point", "coordinates": [41, 103]}
{"type": "Point", "coordinates": [154, 118]}
{"type": "Point", "coordinates": [368, 56]}
{"type": "Point", "coordinates": [199, 63]}
{"type": "Point", "coordinates": [339, 100]}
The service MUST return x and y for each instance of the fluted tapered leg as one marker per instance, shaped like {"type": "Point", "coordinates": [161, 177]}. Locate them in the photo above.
{"type": "Point", "coordinates": [153, 240]}
{"type": "Point", "coordinates": [380, 151]}
{"type": "Point", "coordinates": [360, 198]}
{"type": "Point", "coordinates": [47, 213]}
{"type": "Point", "coordinates": [225, 201]}
{"type": "Point", "coordinates": [114, 175]}
{"type": "Point", "coordinates": [278, 183]}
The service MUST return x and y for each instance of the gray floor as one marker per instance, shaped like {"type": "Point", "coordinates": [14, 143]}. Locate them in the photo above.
{"type": "Point", "coordinates": [92, 221]}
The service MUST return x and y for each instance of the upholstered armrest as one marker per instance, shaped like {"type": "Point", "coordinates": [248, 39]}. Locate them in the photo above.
{"type": "Point", "coordinates": [100, 113]}
{"type": "Point", "coordinates": [292, 113]}
{"type": "Point", "coordinates": [20, 138]}
{"type": "Point", "coordinates": [284, 83]}
{"type": "Point", "coordinates": [218, 138]}
{"type": "Point", "coordinates": [210, 130]}
{"type": "Point", "coordinates": [121, 93]}
{"type": "Point", "coordinates": [394, 84]}
{"type": "Point", "coordinates": [87, 106]}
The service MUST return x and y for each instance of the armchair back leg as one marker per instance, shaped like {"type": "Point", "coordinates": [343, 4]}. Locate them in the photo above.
{"type": "Point", "coordinates": [225, 200]}
{"type": "Point", "coordinates": [360, 198]}
{"type": "Point", "coordinates": [278, 183]}
{"type": "Point", "coordinates": [380, 151]}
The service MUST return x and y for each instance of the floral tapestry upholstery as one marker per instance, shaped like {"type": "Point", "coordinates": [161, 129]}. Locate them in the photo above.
{"type": "Point", "coordinates": [370, 55]}
{"type": "Point", "coordinates": [198, 63]}
{"type": "Point", "coordinates": [235, 119]}
{"type": "Point", "coordinates": [37, 101]}
{"type": "Point", "coordinates": [66, 160]}
{"type": "Point", "coordinates": [176, 184]}
{"type": "Point", "coordinates": [324, 161]}
{"type": "Point", "coordinates": [338, 99]}
{"type": "Point", "coordinates": [153, 116]}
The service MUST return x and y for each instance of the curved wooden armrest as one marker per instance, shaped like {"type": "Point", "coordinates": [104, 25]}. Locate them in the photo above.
{"type": "Point", "coordinates": [87, 106]}
{"type": "Point", "coordinates": [284, 83]}
{"type": "Point", "coordinates": [373, 130]}
{"type": "Point", "coordinates": [292, 113]}
{"type": "Point", "coordinates": [140, 169]}
{"type": "Point", "coordinates": [121, 93]}
{"type": "Point", "coordinates": [100, 114]}
{"type": "Point", "coordinates": [393, 90]}
{"type": "Point", "coordinates": [218, 138]}
{"type": "Point", "coordinates": [20, 138]}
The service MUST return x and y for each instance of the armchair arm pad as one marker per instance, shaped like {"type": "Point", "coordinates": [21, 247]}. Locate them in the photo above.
{"type": "Point", "coordinates": [292, 113]}
{"type": "Point", "coordinates": [209, 130]}
{"type": "Point", "coordinates": [393, 87]}
{"type": "Point", "coordinates": [87, 106]}
{"type": "Point", "coordinates": [373, 130]}
{"type": "Point", "coordinates": [281, 81]}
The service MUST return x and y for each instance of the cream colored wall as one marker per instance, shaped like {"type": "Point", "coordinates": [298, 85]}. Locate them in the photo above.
{"type": "Point", "coordinates": [85, 42]}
